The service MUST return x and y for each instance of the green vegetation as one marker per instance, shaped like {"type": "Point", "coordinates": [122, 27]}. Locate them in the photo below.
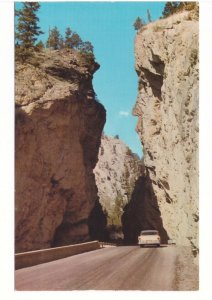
{"type": "Point", "coordinates": [75, 41]}
{"type": "Point", "coordinates": [149, 18]}
{"type": "Point", "coordinates": [27, 30]}
{"type": "Point", "coordinates": [87, 47]}
{"type": "Point", "coordinates": [72, 41]}
{"type": "Point", "coordinates": [39, 46]}
{"type": "Point", "coordinates": [68, 35]}
{"type": "Point", "coordinates": [54, 39]}
{"type": "Point", "coordinates": [170, 8]}
{"type": "Point", "coordinates": [138, 24]}
{"type": "Point", "coordinates": [174, 7]}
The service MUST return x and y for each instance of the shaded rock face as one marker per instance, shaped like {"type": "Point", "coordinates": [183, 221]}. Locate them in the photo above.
{"type": "Point", "coordinates": [142, 212]}
{"type": "Point", "coordinates": [97, 223]}
{"type": "Point", "coordinates": [116, 173]}
{"type": "Point", "coordinates": [58, 133]}
{"type": "Point", "coordinates": [167, 108]}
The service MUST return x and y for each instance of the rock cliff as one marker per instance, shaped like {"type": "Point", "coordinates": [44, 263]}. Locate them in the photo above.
{"type": "Point", "coordinates": [116, 173]}
{"type": "Point", "coordinates": [58, 131]}
{"type": "Point", "coordinates": [166, 54]}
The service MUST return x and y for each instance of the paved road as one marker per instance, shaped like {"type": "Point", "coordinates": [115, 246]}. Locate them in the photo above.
{"type": "Point", "coordinates": [115, 268]}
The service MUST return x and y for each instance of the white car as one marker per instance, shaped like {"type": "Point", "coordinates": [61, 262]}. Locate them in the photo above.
{"type": "Point", "coordinates": [149, 237]}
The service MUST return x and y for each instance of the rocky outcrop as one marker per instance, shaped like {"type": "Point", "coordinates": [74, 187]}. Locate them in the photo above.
{"type": "Point", "coordinates": [58, 131]}
{"type": "Point", "coordinates": [116, 173]}
{"type": "Point", "coordinates": [167, 108]}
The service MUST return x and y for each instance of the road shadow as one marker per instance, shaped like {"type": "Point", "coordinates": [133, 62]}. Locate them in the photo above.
{"type": "Point", "coordinates": [152, 246]}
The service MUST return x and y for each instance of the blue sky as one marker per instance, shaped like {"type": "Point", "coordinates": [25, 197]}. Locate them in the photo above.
{"type": "Point", "coordinates": [109, 27]}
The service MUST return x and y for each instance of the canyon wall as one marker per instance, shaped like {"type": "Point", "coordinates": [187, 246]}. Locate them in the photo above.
{"type": "Point", "coordinates": [58, 132]}
{"type": "Point", "coordinates": [166, 54]}
{"type": "Point", "coordinates": [116, 173]}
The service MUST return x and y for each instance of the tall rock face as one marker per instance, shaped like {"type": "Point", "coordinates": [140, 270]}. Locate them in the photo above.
{"type": "Point", "coordinates": [166, 54]}
{"type": "Point", "coordinates": [58, 132]}
{"type": "Point", "coordinates": [116, 173]}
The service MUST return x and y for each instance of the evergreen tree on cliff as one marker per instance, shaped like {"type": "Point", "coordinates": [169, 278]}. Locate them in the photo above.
{"type": "Point", "coordinates": [76, 41]}
{"type": "Point", "coordinates": [68, 35]}
{"type": "Point", "coordinates": [149, 18]}
{"type": "Point", "coordinates": [174, 7]}
{"type": "Point", "coordinates": [170, 8]}
{"type": "Point", "coordinates": [87, 47]}
{"type": "Point", "coordinates": [54, 39]}
{"type": "Point", "coordinates": [73, 41]}
{"type": "Point", "coordinates": [138, 23]}
{"type": "Point", "coordinates": [27, 30]}
{"type": "Point", "coordinates": [40, 46]}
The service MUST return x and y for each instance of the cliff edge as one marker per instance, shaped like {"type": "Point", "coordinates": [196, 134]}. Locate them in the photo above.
{"type": "Point", "coordinates": [166, 53]}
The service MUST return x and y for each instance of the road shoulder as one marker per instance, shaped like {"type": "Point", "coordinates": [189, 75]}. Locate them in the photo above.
{"type": "Point", "coordinates": [187, 271]}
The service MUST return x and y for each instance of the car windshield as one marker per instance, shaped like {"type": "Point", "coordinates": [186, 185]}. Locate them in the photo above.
{"type": "Point", "coordinates": [149, 232]}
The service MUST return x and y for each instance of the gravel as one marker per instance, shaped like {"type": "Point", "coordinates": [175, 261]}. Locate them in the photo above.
{"type": "Point", "coordinates": [187, 271]}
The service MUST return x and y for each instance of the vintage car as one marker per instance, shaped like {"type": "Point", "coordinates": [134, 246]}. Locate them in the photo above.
{"type": "Point", "coordinates": [149, 238]}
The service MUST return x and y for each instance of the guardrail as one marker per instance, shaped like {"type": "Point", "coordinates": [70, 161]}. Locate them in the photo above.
{"type": "Point", "coordinates": [105, 244]}
{"type": "Point", "coordinates": [171, 242]}
{"type": "Point", "coordinates": [32, 258]}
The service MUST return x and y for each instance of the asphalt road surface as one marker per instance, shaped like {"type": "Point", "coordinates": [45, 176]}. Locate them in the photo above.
{"type": "Point", "coordinates": [114, 268]}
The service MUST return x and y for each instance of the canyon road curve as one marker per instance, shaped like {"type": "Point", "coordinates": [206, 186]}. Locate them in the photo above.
{"type": "Point", "coordinates": [113, 268]}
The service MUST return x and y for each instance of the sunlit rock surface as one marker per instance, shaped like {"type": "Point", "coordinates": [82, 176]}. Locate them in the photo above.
{"type": "Point", "coordinates": [167, 108]}
{"type": "Point", "coordinates": [58, 131]}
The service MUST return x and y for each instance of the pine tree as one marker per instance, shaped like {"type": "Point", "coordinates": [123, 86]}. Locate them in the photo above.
{"type": "Point", "coordinates": [174, 7]}
{"type": "Point", "coordinates": [170, 8]}
{"type": "Point", "coordinates": [61, 42]}
{"type": "Point", "coordinates": [76, 41]}
{"type": "Point", "coordinates": [138, 23]}
{"type": "Point", "coordinates": [68, 35]}
{"type": "Point", "coordinates": [54, 39]}
{"type": "Point", "coordinates": [87, 47]}
{"type": "Point", "coordinates": [149, 18]}
{"type": "Point", "coordinates": [27, 30]}
{"type": "Point", "coordinates": [39, 46]}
